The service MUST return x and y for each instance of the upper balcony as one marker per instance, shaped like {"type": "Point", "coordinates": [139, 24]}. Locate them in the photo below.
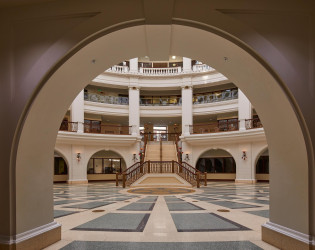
{"type": "Point", "coordinates": [167, 71]}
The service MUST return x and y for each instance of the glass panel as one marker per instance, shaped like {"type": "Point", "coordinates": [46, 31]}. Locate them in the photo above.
{"type": "Point", "coordinates": [98, 168]}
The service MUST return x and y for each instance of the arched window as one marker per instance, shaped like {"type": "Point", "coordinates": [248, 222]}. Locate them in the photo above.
{"type": "Point", "coordinates": [60, 165]}
{"type": "Point", "coordinates": [106, 162]}
{"type": "Point", "coordinates": [216, 161]}
{"type": "Point", "coordinates": [262, 165]}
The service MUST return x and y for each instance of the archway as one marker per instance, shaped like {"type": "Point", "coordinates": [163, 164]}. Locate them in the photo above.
{"type": "Point", "coordinates": [218, 163]}
{"type": "Point", "coordinates": [211, 49]}
{"type": "Point", "coordinates": [104, 164]}
{"type": "Point", "coordinates": [262, 166]}
{"type": "Point", "coordinates": [61, 167]}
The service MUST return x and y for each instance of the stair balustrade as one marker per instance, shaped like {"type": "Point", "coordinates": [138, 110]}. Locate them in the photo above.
{"type": "Point", "coordinates": [137, 170]}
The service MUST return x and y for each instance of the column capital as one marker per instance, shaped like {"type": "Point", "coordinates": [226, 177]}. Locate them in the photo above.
{"type": "Point", "coordinates": [134, 88]}
{"type": "Point", "coordinates": [187, 87]}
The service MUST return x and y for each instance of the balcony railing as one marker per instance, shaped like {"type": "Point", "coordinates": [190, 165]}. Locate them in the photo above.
{"type": "Point", "coordinates": [214, 127]}
{"type": "Point", "coordinates": [161, 101]}
{"type": "Point", "coordinates": [107, 129]}
{"type": "Point", "coordinates": [160, 71]}
{"type": "Point", "coordinates": [253, 123]}
{"type": "Point", "coordinates": [224, 95]}
{"type": "Point", "coordinates": [69, 126]}
{"type": "Point", "coordinates": [198, 68]}
{"type": "Point", "coordinates": [93, 97]}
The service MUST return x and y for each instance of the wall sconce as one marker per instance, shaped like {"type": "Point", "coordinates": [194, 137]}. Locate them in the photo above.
{"type": "Point", "coordinates": [187, 157]}
{"type": "Point", "coordinates": [244, 156]}
{"type": "Point", "coordinates": [78, 156]}
{"type": "Point", "coordinates": [134, 158]}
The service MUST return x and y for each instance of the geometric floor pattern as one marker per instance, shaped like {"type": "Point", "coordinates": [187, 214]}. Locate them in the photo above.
{"type": "Point", "coordinates": [223, 215]}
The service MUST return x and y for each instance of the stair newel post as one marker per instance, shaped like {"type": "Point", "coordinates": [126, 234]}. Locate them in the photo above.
{"type": "Point", "coordinates": [205, 178]}
{"type": "Point", "coordinates": [149, 166]}
{"type": "Point", "coordinates": [173, 166]}
{"type": "Point", "coordinates": [198, 180]}
{"type": "Point", "coordinates": [124, 180]}
{"type": "Point", "coordinates": [117, 179]}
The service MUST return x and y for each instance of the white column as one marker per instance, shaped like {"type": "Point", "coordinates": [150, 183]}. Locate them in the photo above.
{"type": "Point", "coordinates": [244, 109]}
{"type": "Point", "coordinates": [186, 64]}
{"type": "Point", "coordinates": [187, 108]}
{"type": "Point", "coordinates": [133, 65]}
{"type": "Point", "coordinates": [77, 111]}
{"type": "Point", "coordinates": [134, 107]}
{"type": "Point", "coordinates": [78, 166]}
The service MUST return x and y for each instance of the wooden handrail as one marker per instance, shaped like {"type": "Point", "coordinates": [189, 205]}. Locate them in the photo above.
{"type": "Point", "coordinates": [138, 169]}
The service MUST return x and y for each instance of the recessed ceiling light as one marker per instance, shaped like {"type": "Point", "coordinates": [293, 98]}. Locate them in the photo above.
{"type": "Point", "coordinates": [173, 57]}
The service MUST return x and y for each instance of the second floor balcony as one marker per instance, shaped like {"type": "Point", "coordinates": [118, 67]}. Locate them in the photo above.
{"type": "Point", "coordinates": [118, 100]}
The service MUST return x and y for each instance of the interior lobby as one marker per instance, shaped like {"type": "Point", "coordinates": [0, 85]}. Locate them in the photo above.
{"type": "Point", "coordinates": [93, 93]}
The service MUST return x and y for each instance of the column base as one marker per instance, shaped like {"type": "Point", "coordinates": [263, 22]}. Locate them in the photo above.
{"type": "Point", "coordinates": [286, 238]}
{"type": "Point", "coordinates": [77, 181]}
{"type": "Point", "coordinates": [37, 238]}
{"type": "Point", "coordinates": [250, 181]}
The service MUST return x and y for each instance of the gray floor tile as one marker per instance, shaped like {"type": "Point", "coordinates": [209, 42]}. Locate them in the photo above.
{"type": "Point", "coordinates": [117, 222]}
{"type": "Point", "coordinates": [137, 206]}
{"type": "Point", "coordinates": [90, 205]}
{"type": "Point", "coordinates": [262, 213]}
{"type": "Point", "coordinates": [98, 245]}
{"type": "Point", "coordinates": [265, 202]}
{"type": "Point", "coordinates": [148, 199]}
{"type": "Point", "coordinates": [172, 198]}
{"type": "Point", "coordinates": [204, 222]}
{"type": "Point", "coordinates": [61, 213]}
{"type": "Point", "coordinates": [182, 206]}
{"type": "Point", "coordinates": [66, 202]}
{"type": "Point", "coordinates": [232, 205]}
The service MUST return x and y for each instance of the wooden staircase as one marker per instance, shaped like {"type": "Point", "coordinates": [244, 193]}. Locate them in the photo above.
{"type": "Point", "coordinates": [161, 157]}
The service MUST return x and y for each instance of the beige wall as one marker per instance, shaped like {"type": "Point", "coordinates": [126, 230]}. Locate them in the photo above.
{"type": "Point", "coordinates": [273, 41]}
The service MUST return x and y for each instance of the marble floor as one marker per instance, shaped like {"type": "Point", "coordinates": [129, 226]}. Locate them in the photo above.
{"type": "Point", "coordinates": [223, 215]}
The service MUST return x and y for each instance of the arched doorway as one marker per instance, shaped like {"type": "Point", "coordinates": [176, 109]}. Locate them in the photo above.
{"type": "Point", "coordinates": [262, 166]}
{"type": "Point", "coordinates": [234, 59]}
{"type": "Point", "coordinates": [60, 168]}
{"type": "Point", "coordinates": [218, 163]}
{"type": "Point", "coordinates": [104, 164]}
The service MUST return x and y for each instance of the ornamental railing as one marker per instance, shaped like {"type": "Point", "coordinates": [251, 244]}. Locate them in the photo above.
{"type": "Point", "coordinates": [161, 101]}
{"type": "Point", "coordinates": [93, 97]}
{"type": "Point", "coordinates": [198, 68]}
{"type": "Point", "coordinates": [253, 123]}
{"type": "Point", "coordinates": [69, 126]}
{"type": "Point", "coordinates": [215, 127]}
{"type": "Point", "coordinates": [133, 173]}
{"type": "Point", "coordinates": [218, 96]}
{"type": "Point", "coordinates": [107, 129]}
{"type": "Point", "coordinates": [160, 71]}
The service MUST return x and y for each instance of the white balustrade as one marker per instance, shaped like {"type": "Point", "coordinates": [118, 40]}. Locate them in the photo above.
{"type": "Point", "coordinates": [198, 68]}
{"type": "Point", "coordinates": [201, 68]}
{"type": "Point", "coordinates": [161, 71]}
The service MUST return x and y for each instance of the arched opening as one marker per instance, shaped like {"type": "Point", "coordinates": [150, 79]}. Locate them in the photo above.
{"type": "Point", "coordinates": [288, 150]}
{"type": "Point", "coordinates": [61, 170]}
{"type": "Point", "coordinates": [262, 166]}
{"type": "Point", "coordinates": [104, 164]}
{"type": "Point", "coordinates": [218, 163]}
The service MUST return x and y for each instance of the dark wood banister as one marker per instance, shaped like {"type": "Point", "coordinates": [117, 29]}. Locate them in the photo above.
{"type": "Point", "coordinates": [204, 174]}
{"type": "Point", "coordinates": [138, 169]}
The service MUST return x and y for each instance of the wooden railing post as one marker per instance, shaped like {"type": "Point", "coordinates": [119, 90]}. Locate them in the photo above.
{"type": "Point", "coordinates": [198, 180]}
{"type": "Point", "coordinates": [117, 179]}
{"type": "Point", "coordinates": [206, 179]}
{"type": "Point", "coordinates": [149, 166]}
{"type": "Point", "coordinates": [161, 167]}
{"type": "Point", "coordinates": [173, 166]}
{"type": "Point", "coordinates": [124, 180]}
